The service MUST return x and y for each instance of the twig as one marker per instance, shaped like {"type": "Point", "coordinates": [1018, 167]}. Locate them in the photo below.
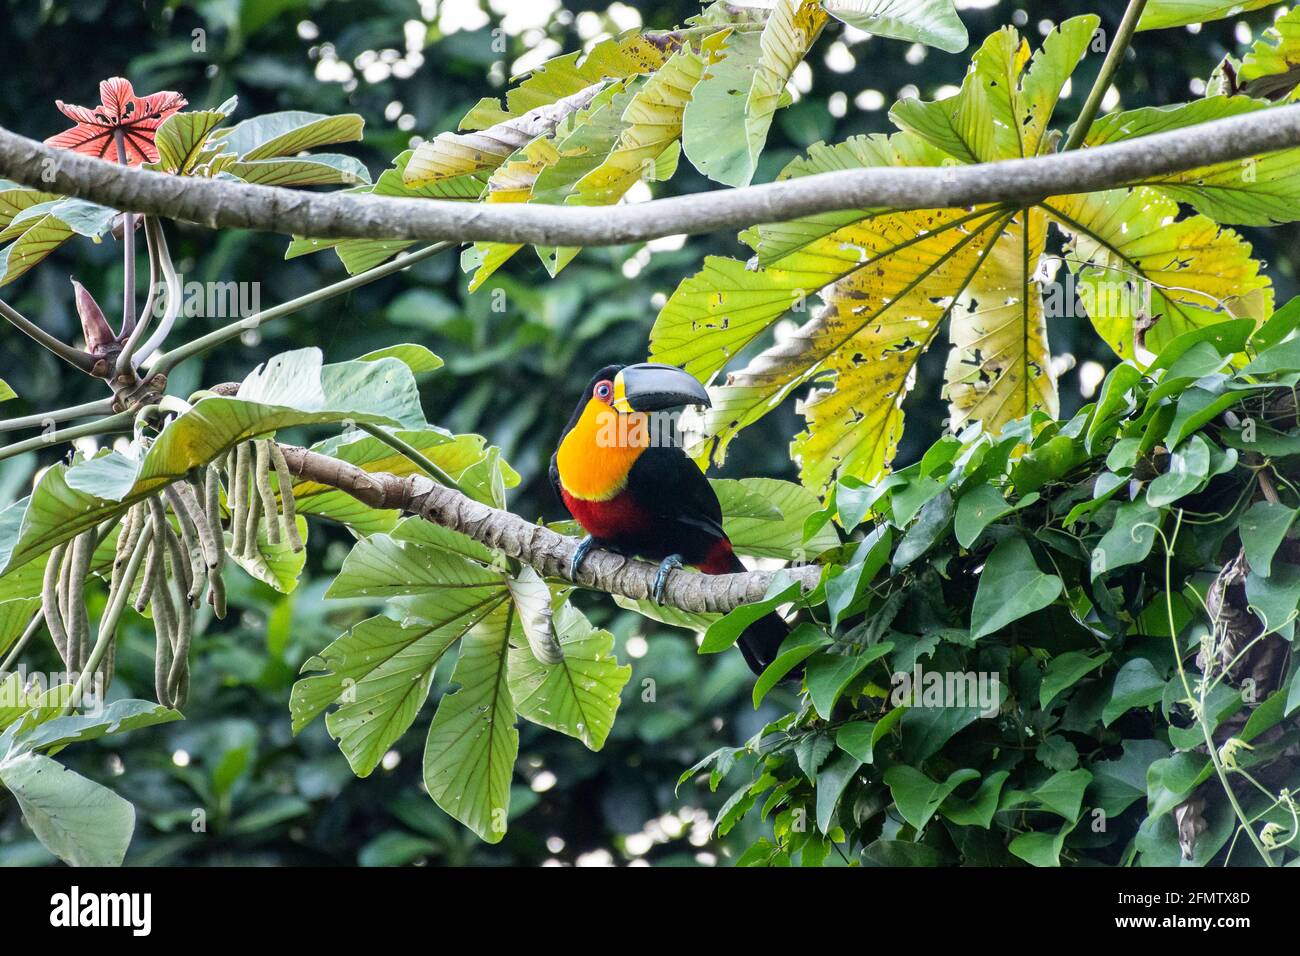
{"type": "Point", "coordinates": [104, 426]}
{"type": "Point", "coordinates": [169, 360]}
{"type": "Point", "coordinates": [82, 361]}
{"type": "Point", "coordinates": [40, 419]}
{"type": "Point", "coordinates": [220, 203]}
{"type": "Point", "coordinates": [1118, 47]}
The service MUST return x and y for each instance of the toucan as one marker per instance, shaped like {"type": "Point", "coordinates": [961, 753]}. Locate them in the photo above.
{"type": "Point", "coordinates": [635, 491]}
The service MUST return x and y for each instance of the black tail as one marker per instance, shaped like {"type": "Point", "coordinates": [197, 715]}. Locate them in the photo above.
{"type": "Point", "coordinates": [762, 639]}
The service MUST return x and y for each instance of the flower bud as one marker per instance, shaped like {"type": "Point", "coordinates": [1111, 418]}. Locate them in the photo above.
{"type": "Point", "coordinates": [99, 335]}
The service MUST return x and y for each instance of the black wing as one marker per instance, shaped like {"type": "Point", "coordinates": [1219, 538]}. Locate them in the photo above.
{"type": "Point", "coordinates": [554, 474]}
{"type": "Point", "coordinates": [669, 485]}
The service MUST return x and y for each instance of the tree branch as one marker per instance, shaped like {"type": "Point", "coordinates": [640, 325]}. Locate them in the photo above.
{"type": "Point", "coordinates": [544, 550]}
{"type": "Point", "coordinates": [217, 203]}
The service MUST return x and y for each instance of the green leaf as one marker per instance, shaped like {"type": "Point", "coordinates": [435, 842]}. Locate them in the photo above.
{"type": "Point", "coordinates": [290, 389]}
{"type": "Point", "coordinates": [931, 22]}
{"type": "Point", "coordinates": [931, 522]}
{"type": "Point", "coordinates": [472, 744]}
{"type": "Point", "coordinates": [979, 810]}
{"type": "Point", "coordinates": [828, 676]}
{"type": "Point", "coordinates": [1010, 587]}
{"type": "Point", "coordinates": [1136, 685]}
{"type": "Point", "coordinates": [917, 796]}
{"type": "Point", "coordinates": [871, 555]}
{"type": "Point", "coordinates": [384, 566]}
{"type": "Point", "coordinates": [1040, 849]}
{"type": "Point", "coordinates": [1129, 540]}
{"type": "Point", "coordinates": [417, 358]}
{"type": "Point", "coordinates": [378, 674]}
{"type": "Point", "coordinates": [1189, 467]}
{"type": "Point", "coordinates": [318, 169]}
{"type": "Point", "coordinates": [14, 618]}
{"type": "Point", "coordinates": [832, 781]}
{"type": "Point", "coordinates": [1066, 670]}
{"type": "Point", "coordinates": [977, 508]}
{"type": "Point", "coordinates": [81, 822]}
{"type": "Point", "coordinates": [801, 643]}
{"type": "Point", "coordinates": [1159, 14]}
{"type": "Point", "coordinates": [1274, 599]}
{"type": "Point", "coordinates": [997, 114]}
{"type": "Point", "coordinates": [182, 137]}
{"type": "Point", "coordinates": [1063, 792]}
{"type": "Point", "coordinates": [578, 696]}
{"type": "Point", "coordinates": [1262, 529]}
{"type": "Point", "coordinates": [1255, 191]}
{"type": "Point", "coordinates": [726, 123]}
{"type": "Point", "coordinates": [118, 717]}
{"type": "Point", "coordinates": [288, 133]}
{"type": "Point", "coordinates": [778, 533]}
{"type": "Point", "coordinates": [41, 228]}
{"type": "Point", "coordinates": [725, 631]}
{"type": "Point", "coordinates": [6, 393]}
{"type": "Point", "coordinates": [1135, 260]}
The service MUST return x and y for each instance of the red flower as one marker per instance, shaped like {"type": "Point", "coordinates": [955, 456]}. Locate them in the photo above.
{"type": "Point", "coordinates": [138, 120]}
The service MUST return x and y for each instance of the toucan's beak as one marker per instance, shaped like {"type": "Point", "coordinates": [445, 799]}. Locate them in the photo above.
{"type": "Point", "coordinates": [650, 387]}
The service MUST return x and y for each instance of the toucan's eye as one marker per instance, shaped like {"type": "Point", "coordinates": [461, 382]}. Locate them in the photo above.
{"type": "Point", "coordinates": [604, 390]}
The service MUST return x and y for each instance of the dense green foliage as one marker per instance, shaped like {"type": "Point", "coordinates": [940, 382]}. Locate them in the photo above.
{"type": "Point", "coordinates": [843, 767]}
{"type": "Point", "coordinates": [1025, 656]}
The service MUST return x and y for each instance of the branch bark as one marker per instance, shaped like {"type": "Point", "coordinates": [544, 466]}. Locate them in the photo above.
{"type": "Point", "coordinates": [544, 550]}
{"type": "Point", "coordinates": [222, 204]}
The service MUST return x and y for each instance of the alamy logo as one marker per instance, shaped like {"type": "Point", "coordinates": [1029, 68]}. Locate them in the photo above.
{"type": "Point", "coordinates": [922, 688]}
{"type": "Point", "coordinates": [74, 908]}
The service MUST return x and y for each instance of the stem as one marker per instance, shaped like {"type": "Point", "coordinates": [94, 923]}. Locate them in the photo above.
{"type": "Point", "coordinates": [411, 452]}
{"type": "Point", "coordinates": [101, 407]}
{"type": "Point", "coordinates": [108, 623]}
{"type": "Point", "coordinates": [1201, 722]}
{"type": "Point", "coordinates": [120, 422]}
{"type": "Point", "coordinates": [158, 246]}
{"type": "Point", "coordinates": [136, 334]}
{"type": "Point", "coordinates": [33, 626]}
{"type": "Point", "coordinates": [169, 360]}
{"type": "Point", "coordinates": [1108, 67]}
{"type": "Point", "coordinates": [80, 360]}
{"type": "Point", "coordinates": [128, 249]}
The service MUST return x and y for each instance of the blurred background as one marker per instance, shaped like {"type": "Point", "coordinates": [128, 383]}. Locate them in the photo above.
{"type": "Point", "coordinates": [412, 69]}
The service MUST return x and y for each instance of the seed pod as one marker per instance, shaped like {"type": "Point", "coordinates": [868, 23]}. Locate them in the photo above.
{"type": "Point", "coordinates": [237, 496]}
{"type": "Point", "coordinates": [212, 505]}
{"type": "Point", "coordinates": [254, 513]}
{"type": "Point", "coordinates": [182, 628]}
{"type": "Point", "coordinates": [164, 624]}
{"type": "Point", "coordinates": [189, 542]}
{"type": "Point", "coordinates": [217, 593]}
{"type": "Point", "coordinates": [288, 508]}
{"type": "Point", "coordinates": [127, 541]}
{"type": "Point", "coordinates": [153, 556]}
{"type": "Point", "coordinates": [262, 476]}
{"type": "Point", "coordinates": [78, 619]}
{"type": "Point", "coordinates": [50, 601]}
{"type": "Point", "coordinates": [65, 586]}
{"type": "Point", "coordinates": [192, 495]}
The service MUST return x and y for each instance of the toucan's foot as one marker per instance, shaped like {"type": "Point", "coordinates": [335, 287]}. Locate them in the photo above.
{"type": "Point", "coordinates": [669, 563]}
{"type": "Point", "coordinates": [585, 545]}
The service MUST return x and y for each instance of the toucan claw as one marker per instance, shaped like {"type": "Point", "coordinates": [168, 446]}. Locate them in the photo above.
{"type": "Point", "coordinates": [670, 563]}
{"type": "Point", "coordinates": [585, 545]}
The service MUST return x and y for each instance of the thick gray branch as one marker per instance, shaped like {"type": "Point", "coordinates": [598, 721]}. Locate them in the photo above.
{"type": "Point", "coordinates": [225, 204]}
{"type": "Point", "coordinates": [540, 548]}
